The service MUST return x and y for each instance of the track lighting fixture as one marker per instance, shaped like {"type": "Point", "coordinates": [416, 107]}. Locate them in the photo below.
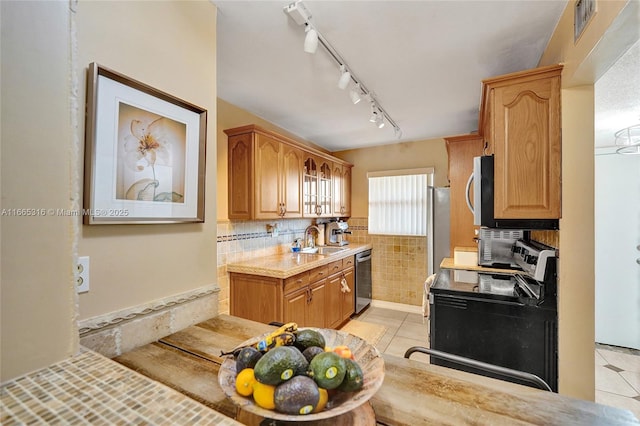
{"type": "Point", "coordinates": [311, 40]}
{"type": "Point", "coordinates": [374, 113]}
{"type": "Point", "coordinates": [345, 78]}
{"type": "Point", "coordinates": [301, 16]}
{"type": "Point", "coordinates": [355, 94]}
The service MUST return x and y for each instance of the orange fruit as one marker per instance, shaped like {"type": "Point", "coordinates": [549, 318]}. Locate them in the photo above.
{"type": "Point", "coordinates": [343, 351]}
{"type": "Point", "coordinates": [322, 402]}
{"type": "Point", "coordinates": [263, 395]}
{"type": "Point", "coordinates": [245, 381]}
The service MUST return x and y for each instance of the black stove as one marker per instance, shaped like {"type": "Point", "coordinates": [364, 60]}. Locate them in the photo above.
{"type": "Point", "coordinates": [506, 319]}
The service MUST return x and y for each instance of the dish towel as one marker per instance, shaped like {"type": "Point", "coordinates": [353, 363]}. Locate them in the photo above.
{"type": "Point", "coordinates": [425, 296]}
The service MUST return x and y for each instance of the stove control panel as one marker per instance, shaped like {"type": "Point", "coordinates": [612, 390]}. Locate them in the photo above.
{"type": "Point", "coordinates": [533, 257]}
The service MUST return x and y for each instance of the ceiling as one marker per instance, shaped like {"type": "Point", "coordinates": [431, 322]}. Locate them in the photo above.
{"type": "Point", "coordinates": [617, 97]}
{"type": "Point", "coordinates": [423, 60]}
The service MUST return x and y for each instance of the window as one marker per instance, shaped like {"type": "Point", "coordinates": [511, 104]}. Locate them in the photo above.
{"type": "Point", "coordinates": [398, 201]}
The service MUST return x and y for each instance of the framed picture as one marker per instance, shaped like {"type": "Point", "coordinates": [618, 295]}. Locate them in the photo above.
{"type": "Point", "coordinates": [144, 153]}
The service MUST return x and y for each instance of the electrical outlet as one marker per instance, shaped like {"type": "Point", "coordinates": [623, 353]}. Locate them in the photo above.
{"type": "Point", "coordinates": [82, 283]}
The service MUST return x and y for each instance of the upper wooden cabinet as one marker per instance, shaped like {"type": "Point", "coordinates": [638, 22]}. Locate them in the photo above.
{"type": "Point", "coordinates": [317, 186]}
{"type": "Point", "coordinates": [341, 190]}
{"type": "Point", "coordinates": [265, 177]}
{"type": "Point", "coordinates": [520, 125]}
{"type": "Point", "coordinates": [461, 150]}
{"type": "Point", "coordinates": [271, 176]}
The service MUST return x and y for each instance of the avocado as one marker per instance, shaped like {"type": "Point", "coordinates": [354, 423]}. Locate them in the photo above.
{"type": "Point", "coordinates": [280, 364]}
{"type": "Point", "coordinates": [307, 337]}
{"type": "Point", "coordinates": [247, 358]}
{"type": "Point", "coordinates": [311, 352]}
{"type": "Point", "coordinates": [353, 378]}
{"type": "Point", "coordinates": [328, 369]}
{"type": "Point", "coordinates": [300, 395]}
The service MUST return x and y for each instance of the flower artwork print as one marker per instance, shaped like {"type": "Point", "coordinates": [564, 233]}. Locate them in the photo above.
{"type": "Point", "coordinates": [151, 156]}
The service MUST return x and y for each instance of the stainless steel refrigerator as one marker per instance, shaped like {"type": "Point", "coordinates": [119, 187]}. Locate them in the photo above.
{"type": "Point", "coordinates": [438, 200]}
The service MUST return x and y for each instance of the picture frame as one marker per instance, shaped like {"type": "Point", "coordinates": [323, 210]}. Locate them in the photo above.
{"type": "Point", "coordinates": [144, 153]}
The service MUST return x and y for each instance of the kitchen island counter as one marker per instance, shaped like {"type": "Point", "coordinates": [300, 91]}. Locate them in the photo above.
{"type": "Point", "coordinates": [91, 389]}
{"type": "Point", "coordinates": [413, 393]}
{"type": "Point", "coordinates": [288, 264]}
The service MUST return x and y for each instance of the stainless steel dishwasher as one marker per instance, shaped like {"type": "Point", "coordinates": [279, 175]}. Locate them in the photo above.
{"type": "Point", "coordinates": [363, 280]}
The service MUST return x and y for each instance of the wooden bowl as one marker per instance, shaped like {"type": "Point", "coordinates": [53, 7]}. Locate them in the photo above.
{"type": "Point", "coordinates": [366, 355]}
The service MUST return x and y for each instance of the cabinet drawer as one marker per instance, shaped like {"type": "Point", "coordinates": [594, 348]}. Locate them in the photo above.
{"type": "Point", "coordinates": [318, 273]}
{"type": "Point", "coordinates": [348, 262]}
{"type": "Point", "coordinates": [335, 267]}
{"type": "Point", "coordinates": [296, 282]}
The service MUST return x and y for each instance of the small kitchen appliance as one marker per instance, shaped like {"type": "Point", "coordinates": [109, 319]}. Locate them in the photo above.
{"type": "Point", "coordinates": [509, 320]}
{"type": "Point", "coordinates": [336, 233]}
{"type": "Point", "coordinates": [482, 180]}
{"type": "Point", "coordinates": [496, 247]}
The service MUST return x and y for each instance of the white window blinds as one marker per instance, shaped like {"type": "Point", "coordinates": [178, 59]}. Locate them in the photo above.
{"type": "Point", "coordinates": [398, 201]}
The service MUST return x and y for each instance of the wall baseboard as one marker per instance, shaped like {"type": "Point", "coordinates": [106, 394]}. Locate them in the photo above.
{"type": "Point", "coordinates": [397, 306]}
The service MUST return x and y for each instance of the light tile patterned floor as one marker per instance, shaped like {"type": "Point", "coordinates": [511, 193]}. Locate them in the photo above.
{"type": "Point", "coordinates": [617, 369]}
{"type": "Point", "coordinates": [618, 377]}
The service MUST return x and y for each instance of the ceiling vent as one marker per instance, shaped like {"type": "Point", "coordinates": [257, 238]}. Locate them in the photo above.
{"type": "Point", "coordinates": [584, 11]}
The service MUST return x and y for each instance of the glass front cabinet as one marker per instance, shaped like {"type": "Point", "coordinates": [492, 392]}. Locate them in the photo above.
{"type": "Point", "coordinates": [317, 187]}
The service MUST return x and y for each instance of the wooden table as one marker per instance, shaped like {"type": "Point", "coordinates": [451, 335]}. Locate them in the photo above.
{"type": "Point", "coordinates": [413, 393]}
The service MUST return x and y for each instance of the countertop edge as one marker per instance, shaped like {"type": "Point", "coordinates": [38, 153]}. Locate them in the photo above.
{"type": "Point", "coordinates": [277, 268]}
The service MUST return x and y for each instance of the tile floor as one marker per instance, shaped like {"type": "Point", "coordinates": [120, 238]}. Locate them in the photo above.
{"type": "Point", "coordinates": [617, 369]}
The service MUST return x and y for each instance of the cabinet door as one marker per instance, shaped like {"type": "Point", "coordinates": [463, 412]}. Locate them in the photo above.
{"type": "Point", "coordinates": [334, 301]}
{"type": "Point", "coordinates": [346, 191]}
{"type": "Point", "coordinates": [325, 188]}
{"type": "Point", "coordinates": [240, 176]}
{"type": "Point", "coordinates": [310, 186]}
{"type": "Point", "coordinates": [317, 304]}
{"type": "Point", "coordinates": [348, 298]}
{"type": "Point", "coordinates": [267, 178]}
{"type": "Point", "coordinates": [337, 201]}
{"type": "Point", "coordinates": [295, 307]}
{"type": "Point", "coordinates": [256, 298]}
{"type": "Point", "coordinates": [527, 146]}
{"type": "Point", "coordinates": [461, 150]}
{"type": "Point", "coordinates": [291, 191]}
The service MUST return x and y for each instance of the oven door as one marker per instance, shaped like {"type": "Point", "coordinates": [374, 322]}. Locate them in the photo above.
{"type": "Point", "coordinates": [500, 332]}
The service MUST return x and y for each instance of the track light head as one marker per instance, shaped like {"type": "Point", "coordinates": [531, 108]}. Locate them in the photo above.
{"type": "Point", "coordinates": [311, 40]}
{"type": "Point", "coordinates": [374, 113]}
{"type": "Point", "coordinates": [380, 121]}
{"type": "Point", "coordinates": [355, 94]}
{"type": "Point", "coordinates": [345, 78]}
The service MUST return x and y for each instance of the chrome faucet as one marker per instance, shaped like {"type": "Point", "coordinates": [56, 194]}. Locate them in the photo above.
{"type": "Point", "coordinates": [310, 241]}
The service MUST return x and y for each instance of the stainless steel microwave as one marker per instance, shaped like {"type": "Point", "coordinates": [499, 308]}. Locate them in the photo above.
{"type": "Point", "coordinates": [482, 207]}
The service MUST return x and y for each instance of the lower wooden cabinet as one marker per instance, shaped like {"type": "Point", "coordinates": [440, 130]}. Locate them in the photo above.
{"type": "Point", "coordinates": [313, 298]}
{"type": "Point", "coordinates": [307, 305]}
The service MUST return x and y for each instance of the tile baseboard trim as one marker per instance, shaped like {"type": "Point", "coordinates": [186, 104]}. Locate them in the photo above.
{"type": "Point", "coordinates": [413, 309]}
{"type": "Point", "coordinates": [94, 324]}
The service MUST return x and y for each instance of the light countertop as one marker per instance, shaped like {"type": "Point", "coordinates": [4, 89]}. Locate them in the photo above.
{"type": "Point", "coordinates": [286, 265]}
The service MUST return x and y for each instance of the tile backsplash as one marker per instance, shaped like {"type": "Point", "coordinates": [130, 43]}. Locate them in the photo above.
{"type": "Point", "coordinates": [399, 264]}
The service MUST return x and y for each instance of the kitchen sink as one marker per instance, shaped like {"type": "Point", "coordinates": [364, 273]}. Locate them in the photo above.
{"type": "Point", "coordinates": [324, 250]}
{"type": "Point", "coordinates": [330, 250]}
